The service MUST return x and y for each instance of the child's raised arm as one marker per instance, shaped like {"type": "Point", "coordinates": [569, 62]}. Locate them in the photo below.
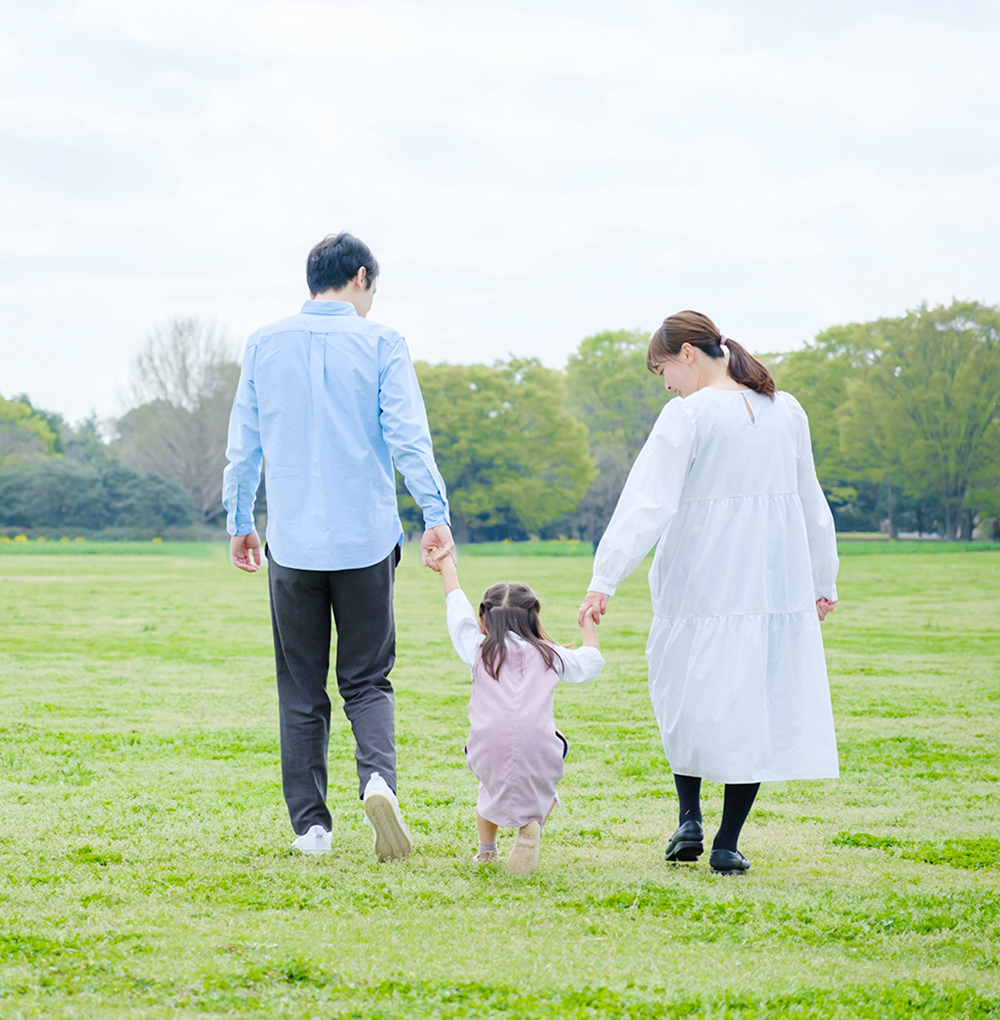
{"type": "Point", "coordinates": [591, 620]}
{"type": "Point", "coordinates": [464, 629]}
{"type": "Point", "coordinates": [449, 573]}
{"type": "Point", "coordinates": [581, 665]}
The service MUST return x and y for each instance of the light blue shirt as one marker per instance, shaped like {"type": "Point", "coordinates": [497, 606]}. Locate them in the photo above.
{"type": "Point", "coordinates": [330, 401]}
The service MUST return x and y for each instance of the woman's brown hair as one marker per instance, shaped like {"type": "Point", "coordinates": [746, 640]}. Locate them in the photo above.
{"type": "Point", "coordinates": [699, 331]}
{"type": "Point", "coordinates": [512, 608]}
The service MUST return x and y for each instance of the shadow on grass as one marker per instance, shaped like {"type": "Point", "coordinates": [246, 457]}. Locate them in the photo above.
{"type": "Point", "coordinates": [974, 854]}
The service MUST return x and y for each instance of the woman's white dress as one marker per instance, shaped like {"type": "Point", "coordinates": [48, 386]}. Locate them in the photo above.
{"type": "Point", "coordinates": [726, 488]}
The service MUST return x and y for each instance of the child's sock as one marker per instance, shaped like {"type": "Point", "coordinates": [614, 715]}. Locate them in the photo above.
{"type": "Point", "coordinates": [487, 848]}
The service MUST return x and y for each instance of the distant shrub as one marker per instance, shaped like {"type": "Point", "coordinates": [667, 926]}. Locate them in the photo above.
{"type": "Point", "coordinates": [58, 493]}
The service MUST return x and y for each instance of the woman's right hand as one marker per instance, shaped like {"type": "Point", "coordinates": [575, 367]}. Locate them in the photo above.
{"type": "Point", "coordinates": [594, 599]}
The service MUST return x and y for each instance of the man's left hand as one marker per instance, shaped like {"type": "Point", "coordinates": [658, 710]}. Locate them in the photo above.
{"type": "Point", "coordinates": [436, 544]}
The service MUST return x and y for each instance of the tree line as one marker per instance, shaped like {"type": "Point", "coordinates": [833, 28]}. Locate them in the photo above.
{"type": "Point", "coordinates": [160, 473]}
{"type": "Point", "coordinates": [905, 417]}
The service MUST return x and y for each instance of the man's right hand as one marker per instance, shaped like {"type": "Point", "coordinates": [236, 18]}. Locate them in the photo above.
{"type": "Point", "coordinates": [436, 544]}
{"type": "Point", "coordinates": [244, 551]}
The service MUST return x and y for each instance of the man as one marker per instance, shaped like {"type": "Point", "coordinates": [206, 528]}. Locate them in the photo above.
{"type": "Point", "coordinates": [330, 401]}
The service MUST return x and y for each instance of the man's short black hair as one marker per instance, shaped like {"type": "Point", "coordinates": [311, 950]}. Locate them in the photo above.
{"type": "Point", "coordinates": [335, 261]}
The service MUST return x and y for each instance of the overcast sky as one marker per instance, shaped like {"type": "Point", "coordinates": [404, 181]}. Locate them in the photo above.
{"type": "Point", "coordinates": [526, 173]}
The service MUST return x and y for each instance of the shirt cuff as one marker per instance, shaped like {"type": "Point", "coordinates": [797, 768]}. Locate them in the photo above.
{"type": "Point", "coordinates": [601, 585]}
{"type": "Point", "coordinates": [239, 527]}
{"type": "Point", "coordinates": [437, 514]}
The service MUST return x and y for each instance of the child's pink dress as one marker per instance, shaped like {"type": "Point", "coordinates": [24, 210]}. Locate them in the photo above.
{"type": "Point", "coordinates": [514, 748]}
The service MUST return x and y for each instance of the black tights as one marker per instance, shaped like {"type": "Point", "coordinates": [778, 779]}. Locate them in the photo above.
{"type": "Point", "coordinates": [735, 808]}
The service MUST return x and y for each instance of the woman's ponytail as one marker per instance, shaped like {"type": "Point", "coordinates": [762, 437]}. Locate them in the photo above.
{"type": "Point", "coordinates": [745, 369]}
{"type": "Point", "coordinates": [699, 331]}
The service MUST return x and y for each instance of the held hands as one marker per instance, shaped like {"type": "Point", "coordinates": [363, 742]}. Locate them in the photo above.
{"type": "Point", "coordinates": [436, 544]}
{"type": "Point", "coordinates": [442, 559]}
{"type": "Point", "coordinates": [595, 600]}
{"type": "Point", "coordinates": [444, 562]}
{"type": "Point", "coordinates": [590, 623]}
{"type": "Point", "coordinates": [824, 606]}
{"type": "Point", "coordinates": [437, 551]}
{"type": "Point", "coordinates": [244, 551]}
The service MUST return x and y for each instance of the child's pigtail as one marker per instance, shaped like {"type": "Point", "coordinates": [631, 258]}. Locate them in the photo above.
{"type": "Point", "coordinates": [512, 608]}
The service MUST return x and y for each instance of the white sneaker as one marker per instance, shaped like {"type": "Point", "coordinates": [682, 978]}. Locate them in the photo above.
{"type": "Point", "coordinates": [316, 841]}
{"type": "Point", "coordinates": [392, 837]}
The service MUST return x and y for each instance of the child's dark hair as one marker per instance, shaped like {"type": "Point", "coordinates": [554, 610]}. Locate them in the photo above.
{"type": "Point", "coordinates": [512, 608]}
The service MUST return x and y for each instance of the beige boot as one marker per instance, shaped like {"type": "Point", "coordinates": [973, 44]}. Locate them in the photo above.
{"type": "Point", "coordinates": [524, 856]}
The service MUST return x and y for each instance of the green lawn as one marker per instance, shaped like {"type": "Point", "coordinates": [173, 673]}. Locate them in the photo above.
{"type": "Point", "coordinates": [145, 844]}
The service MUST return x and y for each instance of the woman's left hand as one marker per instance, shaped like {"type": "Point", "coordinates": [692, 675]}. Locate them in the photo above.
{"type": "Point", "coordinates": [824, 606]}
{"type": "Point", "coordinates": [596, 599]}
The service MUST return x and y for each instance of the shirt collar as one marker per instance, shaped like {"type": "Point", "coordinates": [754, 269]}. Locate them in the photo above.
{"type": "Point", "coordinates": [313, 307]}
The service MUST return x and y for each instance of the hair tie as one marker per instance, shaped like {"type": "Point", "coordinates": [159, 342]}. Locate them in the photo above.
{"type": "Point", "coordinates": [725, 349]}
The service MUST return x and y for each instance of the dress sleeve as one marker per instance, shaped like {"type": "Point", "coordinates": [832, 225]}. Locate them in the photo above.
{"type": "Point", "coordinates": [579, 665]}
{"type": "Point", "coordinates": [649, 499]}
{"type": "Point", "coordinates": [820, 527]}
{"type": "Point", "coordinates": [463, 626]}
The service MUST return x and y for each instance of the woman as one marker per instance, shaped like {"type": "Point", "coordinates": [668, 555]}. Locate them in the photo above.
{"type": "Point", "coordinates": [744, 571]}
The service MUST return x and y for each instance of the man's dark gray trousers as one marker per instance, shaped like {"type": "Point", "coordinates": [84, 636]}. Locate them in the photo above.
{"type": "Point", "coordinates": [361, 604]}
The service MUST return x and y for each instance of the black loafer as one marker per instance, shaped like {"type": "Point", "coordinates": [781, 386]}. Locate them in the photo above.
{"type": "Point", "coordinates": [686, 844]}
{"type": "Point", "coordinates": [728, 862]}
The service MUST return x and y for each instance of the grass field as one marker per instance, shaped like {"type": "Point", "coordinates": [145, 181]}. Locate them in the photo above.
{"type": "Point", "coordinates": [145, 845]}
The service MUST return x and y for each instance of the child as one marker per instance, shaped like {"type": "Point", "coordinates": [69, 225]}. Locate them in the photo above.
{"type": "Point", "coordinates": [514, 748]}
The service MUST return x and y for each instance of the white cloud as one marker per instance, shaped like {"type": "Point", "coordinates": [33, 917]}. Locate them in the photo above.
{"type": "Point", "coordinates": [527, 174]}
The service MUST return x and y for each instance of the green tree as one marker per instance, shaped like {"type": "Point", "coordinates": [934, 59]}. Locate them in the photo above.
{"type": "Point", "coordinates": [817, 375]}
{"type": "Point", "coordinates": [57, 493]}
{"type": "Point", "coordinates": [591, 516]}
{"type": "Point", "coordinates": [83, 442]}
{"type": "Point", "coordinates": [924, 408]}
{"type": "Point", "coordinates": [55, 421]}
{"type": "Point", "coordinates": [611, 391]}
{"type": "Point", "coordinates": [52, 494]}
{"type": "Point", "coordinates": [139, 500]}
{"type": "Point", "coordinates": [25, 434]}
{"type": "Point", "coordinates": [513, 459]}
{"type": "Point", "coordinates": [86, 442]}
